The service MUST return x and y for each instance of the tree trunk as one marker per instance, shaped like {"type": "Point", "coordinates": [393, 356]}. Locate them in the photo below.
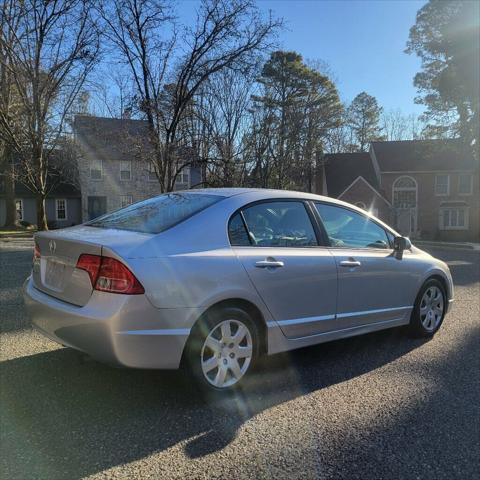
{"type": "Point", "coordinates": [10, 211]}
{"type": "Point", "coordinates": [41, 213]}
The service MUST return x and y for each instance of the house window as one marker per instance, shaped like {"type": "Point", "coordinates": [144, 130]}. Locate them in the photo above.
{"type": "Point", "coordinates": [183, 176]}
{"type": "Point", "coordinates": [465, 184]}
{"type": "Point", "coordinates": [19, 209]}
{"type": "Point", "coordinates": [125, 200]}
{"type": "Point", "coordinates": [404, 192]}
{"type": "Point", "coordinates": [61, 208]}
{"type": "Point", "coordinates": [96, 168]}
{"type": "Point", "coordinates": [442, 185]}
{"type": "Point", "coordinates": [152, 176]}
{"type": "Point", "coordinates": [454, 218]}
{"type": "Point", "coordinates": [125, 170]}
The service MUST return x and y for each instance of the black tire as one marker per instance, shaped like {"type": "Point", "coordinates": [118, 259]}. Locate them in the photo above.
{"type": "Point", "coordinates": [200, 332]}
{"type": "Point", "coordinates": [417, 327]}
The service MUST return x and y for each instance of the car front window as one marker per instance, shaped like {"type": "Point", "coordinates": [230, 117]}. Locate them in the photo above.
{"type": "Point", "coordinates": [346, 228]}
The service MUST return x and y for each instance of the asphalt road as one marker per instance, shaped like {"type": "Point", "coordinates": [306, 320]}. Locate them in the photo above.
{"type": "Point", "coordinates": [378, 406]}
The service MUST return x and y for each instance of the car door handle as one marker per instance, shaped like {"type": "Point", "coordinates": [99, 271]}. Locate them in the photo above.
{"type": "Point", "coordinates": [269, 263]}
{"type": "Point", "coordinates": [350, 263]}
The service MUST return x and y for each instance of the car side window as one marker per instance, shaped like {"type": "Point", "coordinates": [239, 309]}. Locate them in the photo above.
{"type": "Point", "coordinates": [279, 224]}
{"type": "Point", "coordinates": [346, 228]}
{"type": "Point", "coordinates": [237, 233]}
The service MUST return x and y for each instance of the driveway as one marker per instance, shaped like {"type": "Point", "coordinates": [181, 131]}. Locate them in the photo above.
{"type": "Point", "coordinates": [377, 406]}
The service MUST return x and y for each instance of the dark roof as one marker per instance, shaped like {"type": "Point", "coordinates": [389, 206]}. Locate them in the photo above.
{"type": "Point", "coordinates": [59, 190]}
{"type": "Point", "coordinates": [423, 155]}
{"type": "Point", "coordinates": [105, 125]}
{"type": "Point", "coordinates": [110, 138]}
{"type": "Point", "coordinates": [341, 169]}
{"type": "Point", "coordinates": [62, 179]}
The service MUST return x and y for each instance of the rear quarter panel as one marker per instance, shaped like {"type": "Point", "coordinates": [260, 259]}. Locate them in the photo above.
{"type": "Point", "coordinates": [192, 264]}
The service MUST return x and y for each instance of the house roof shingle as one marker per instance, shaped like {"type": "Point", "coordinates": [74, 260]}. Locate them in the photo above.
{"type": "Point", "coordinates": [422, 155]}
{"type": "Point", "coordinates": [118, 138]}
{"type": "Point", "coordinates": [110, 138]}
{"type": "Point", "coordinates": [341, 169]}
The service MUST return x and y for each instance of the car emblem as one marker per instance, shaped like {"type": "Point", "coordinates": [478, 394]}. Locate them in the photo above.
{"type": "Point", "coordinates": [52, 245]}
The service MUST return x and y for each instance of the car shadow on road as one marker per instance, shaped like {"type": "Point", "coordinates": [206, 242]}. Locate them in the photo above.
{"type": "Point", "coordinates": [64, 417]}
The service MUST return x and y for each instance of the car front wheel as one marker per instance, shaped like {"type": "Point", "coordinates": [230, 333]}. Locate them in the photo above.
{"type": "Point", "coordinates": [429, 309]}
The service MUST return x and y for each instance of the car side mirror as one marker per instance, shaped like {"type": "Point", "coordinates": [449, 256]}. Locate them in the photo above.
{"type": "Point", "coordinates": [401, 243]}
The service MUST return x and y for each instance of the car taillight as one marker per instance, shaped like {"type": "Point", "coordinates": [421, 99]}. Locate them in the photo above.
{"type": "Point", "coordinates": [115, 277]}
{"type": "Point", "coordinates": [36, 252]}
{"type": "Point", "coordinates": [91, 264]}
{"type": "Point", "coordinates": [109, 275]}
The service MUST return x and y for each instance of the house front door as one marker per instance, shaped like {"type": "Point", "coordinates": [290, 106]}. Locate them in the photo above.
{"type": "Point", "coordinates": [406, 221]}
{"type": "Point", "coordinates": [405, 196]}
{"type": "Point", "coordinates": [97, 206]}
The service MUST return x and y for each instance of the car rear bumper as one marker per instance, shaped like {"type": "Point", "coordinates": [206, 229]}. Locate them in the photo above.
{"type": "Point", "coordinates": [123, 330]}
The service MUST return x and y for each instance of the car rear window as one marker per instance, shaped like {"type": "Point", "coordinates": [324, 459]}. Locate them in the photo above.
{"type": "Point", "coordinates": [157, 214]}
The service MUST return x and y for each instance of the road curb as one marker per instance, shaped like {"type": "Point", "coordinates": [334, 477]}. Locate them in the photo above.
{"type": "Point", "coordinates": [457, 246]}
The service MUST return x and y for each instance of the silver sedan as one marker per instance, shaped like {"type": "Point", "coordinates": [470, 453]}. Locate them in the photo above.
{"type": "Point", "coordinates": [212, 279]}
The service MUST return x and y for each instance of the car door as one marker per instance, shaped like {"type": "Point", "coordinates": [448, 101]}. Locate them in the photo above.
{"type": "Point", "coordinates": [278, 245]}
{"type": "Point", "coordinates": [374, 284]}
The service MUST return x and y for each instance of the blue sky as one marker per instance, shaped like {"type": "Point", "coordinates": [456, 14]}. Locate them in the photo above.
{"type": "Point", "coordinates": [362, 41]}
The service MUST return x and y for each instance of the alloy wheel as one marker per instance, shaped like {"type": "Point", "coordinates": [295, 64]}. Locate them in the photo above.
{"type": "Point", "coordinates": [226, 353]}
{"type": "Point", "coordinates": [431, 308]}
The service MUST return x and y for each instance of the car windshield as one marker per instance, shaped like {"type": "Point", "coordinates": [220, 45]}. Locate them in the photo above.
{"type": "Point", "coordinates": [157, 214]}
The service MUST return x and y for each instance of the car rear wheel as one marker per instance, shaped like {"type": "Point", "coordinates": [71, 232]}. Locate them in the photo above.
{"type": "Point", "coordinates": [429, 309]}
{"type": "Point", "coordinates": [222, 349]}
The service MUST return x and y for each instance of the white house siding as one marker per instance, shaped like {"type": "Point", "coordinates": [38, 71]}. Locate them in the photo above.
{"type": "Point", "coordinates": [30, 211]}
{"type": "Point", "coordinates": [74, 214]}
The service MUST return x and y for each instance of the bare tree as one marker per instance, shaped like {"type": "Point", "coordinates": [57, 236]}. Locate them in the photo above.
{"type": "Point", "coordinates": [397, 126]}
{"type": "Point", "coordinates": [54, 48]}
{"type": "Point", "coordinates": [223, 113]}
{"type": "Point", "coordinates": [260, 163]}
{"type": "Point", "coordinates": [168, 74]}
{"type": "Point", "coordinates": [9, 105]}
{"type": "Point", "coordinates": [113, 94]}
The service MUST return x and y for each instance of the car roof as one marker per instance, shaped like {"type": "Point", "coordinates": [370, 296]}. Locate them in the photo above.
{"type": "Point", "coordinates": [261, 193]}
{"type": "Point", "coordinates": [255, 194]}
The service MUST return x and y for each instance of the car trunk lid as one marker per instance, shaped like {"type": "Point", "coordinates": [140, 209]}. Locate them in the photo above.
{"type": "Point", "coordinates": [55, 272]}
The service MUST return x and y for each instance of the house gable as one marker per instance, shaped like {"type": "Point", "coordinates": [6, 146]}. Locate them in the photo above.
{"type": "Point", "coordinates": [341, 169]}
{"type": "Point", "coordinates": [351, 187]}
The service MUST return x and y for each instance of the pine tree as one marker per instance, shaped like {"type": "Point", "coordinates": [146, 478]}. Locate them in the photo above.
{"type": "Point", "coordinates": [364, 120]}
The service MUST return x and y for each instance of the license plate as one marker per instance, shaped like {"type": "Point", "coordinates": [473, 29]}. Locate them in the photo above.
{"type": "Point", "coordinates": [54, 274]}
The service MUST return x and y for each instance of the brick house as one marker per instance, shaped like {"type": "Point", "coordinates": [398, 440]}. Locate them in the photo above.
{"type": "Point", "coordinates": [433, 186]}
{"type": "Point", "coordinates": [112, 168]}
{"type": "Point", "coordinates": [426, 189]}
{"type": "Point", "coordinates": [352, 177]}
